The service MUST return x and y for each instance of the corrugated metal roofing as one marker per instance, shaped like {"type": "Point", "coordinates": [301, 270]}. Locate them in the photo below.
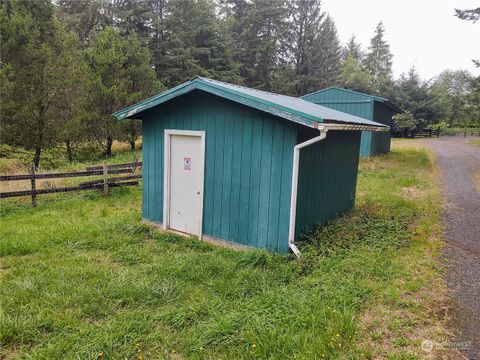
{"type": "Point", "coordinates": [373, 97]}
{"type": "Point", "coordinates": [290, 108]}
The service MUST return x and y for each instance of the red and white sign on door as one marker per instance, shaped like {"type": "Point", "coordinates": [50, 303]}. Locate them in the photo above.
{"type": "Point", "coordinates": [187, 163]}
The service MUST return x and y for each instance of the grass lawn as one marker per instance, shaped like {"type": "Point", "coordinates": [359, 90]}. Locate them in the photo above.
{"type": "Point", "coordinates": [80, 277]}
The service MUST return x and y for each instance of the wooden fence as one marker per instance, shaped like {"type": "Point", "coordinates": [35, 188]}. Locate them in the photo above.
{"type": "Point", "coordinates": [423, 133]}
{"type": "Point", "coordinates": [104, 183]}
{"type": "Point", "coordinates": [417, 133]}
{"type": "Point", "coordinates": [462, 132]}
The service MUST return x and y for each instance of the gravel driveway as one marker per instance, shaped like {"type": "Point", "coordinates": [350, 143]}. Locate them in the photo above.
{"type": "Point", "coordinates": [459, 160]}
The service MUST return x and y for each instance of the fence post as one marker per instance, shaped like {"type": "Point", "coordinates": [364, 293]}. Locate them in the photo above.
{"type": "Point", "coordinates": [32, 181]}
{"type": "Point", "coordinates": [134, 167]}
{"type": "Point", "coordinates": [135, 161]}
{"type": "Point", "coordinates": [105, 179]}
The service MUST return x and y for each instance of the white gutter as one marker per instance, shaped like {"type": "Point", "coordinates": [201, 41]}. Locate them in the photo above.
{"type": "Point", "coordinates": [333, 126]}
{"type": "Point", "coordinates": [296, 160]}
{"type": "Point", "coordinates": [293, 198]}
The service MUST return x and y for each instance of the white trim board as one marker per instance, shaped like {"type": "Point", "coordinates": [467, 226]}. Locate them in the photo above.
{"type": "Point", "coordinates": [166, 175]}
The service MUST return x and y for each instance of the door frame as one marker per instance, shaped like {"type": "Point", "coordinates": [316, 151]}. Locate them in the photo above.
{"type": "Point", "coordinates": [167, 170]}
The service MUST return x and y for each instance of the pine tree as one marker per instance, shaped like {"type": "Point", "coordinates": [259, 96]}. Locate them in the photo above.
{"type": "Point", "coordinates": [353, 76]}
{"type": "Point", "coordinates": [121, 74]}
{"type": "Point", "coordinates": [196, 44]}
{"type": "Point", "coordinates": [378, 61]}
{"type": "Point", "coordinates": [314, 47]}
{"type": "Point", "coordinates": [354, 49]}
{"type": "Point", "coordinates": [306, 22]}
{"type": "Point", "coordinates": [472, 15]}
{"type": "Point", "coordinates": [157, 43]}
{"type": "Point", "coordinates": [259, 29]}
{"type": "Point", "coordinates": [86, 16]}
{"type": "Point", "coordinates": [414, 95]}
{"type": "Point", "coordinates": [40, 64]}
{"type": "Point", "coordinates": [327, 56]}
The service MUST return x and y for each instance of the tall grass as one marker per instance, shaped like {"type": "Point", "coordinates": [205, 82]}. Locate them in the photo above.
{"type": "Point", "coordinates": [82, 278]}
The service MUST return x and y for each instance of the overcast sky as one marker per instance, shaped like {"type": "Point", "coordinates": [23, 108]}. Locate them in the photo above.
{"type": "Point", "coordinates": [424, 33]}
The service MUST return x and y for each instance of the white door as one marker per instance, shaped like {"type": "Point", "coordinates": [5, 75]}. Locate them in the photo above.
{"type": "Point", "coordinates": [185, 181]}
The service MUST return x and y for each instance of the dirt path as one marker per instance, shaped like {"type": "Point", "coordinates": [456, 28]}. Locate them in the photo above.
{"type": "Point", "coordinates": [459, 162]}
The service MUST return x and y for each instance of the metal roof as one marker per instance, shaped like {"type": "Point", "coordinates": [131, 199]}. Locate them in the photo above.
{"type": "Point", "coordinates": [287, 107]}
{"type": "Point", "coordinates": [373, 97]}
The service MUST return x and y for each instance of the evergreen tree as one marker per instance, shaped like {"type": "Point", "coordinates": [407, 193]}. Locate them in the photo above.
{"type": "Point", "coordinates": [196, 43]}
{"type": "Point", "coordinates": [353, 76]}
{"type": "Point", "coordinates": [327, 56]}
{"type": "Point", "coordinates": [132, 17]}
{"type": "Point", "coordinates": [259, 29]}
{"type": "Point", "coordinates": [157, 43]}
{"type": "Point", "coordinates": [86, 16]}
{"type": "Point", "coordinates": [414, 96]}
{"type": "Point", "coordinates": [307, 18]}
{"type": "Point", "coordinates": [378, 61]}
{"type": "Point", "coordinates": [404, 123]}
{"type": "Point", "coordinates": [120, 75]}
{"type": "Point", "coordinates": [469, 15]}
{"type": "Point", "coordinates": [41, 60]}
{"type": "Point", "coordinates": [472, 15]}
{"type": "Point", "coordinates": [314, 47]}
{"type": "Point", "coordinates": [354, 49]}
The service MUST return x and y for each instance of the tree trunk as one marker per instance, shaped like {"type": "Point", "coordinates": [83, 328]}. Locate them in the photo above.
{"type": "Point", "coordinates": [132, 146]}
{"type": "Point", "coordinates": [36, 159]}
{"type": "Point", "coordinates": [108, 148]}
{"type": "Point", "coordinates": [69, 151]}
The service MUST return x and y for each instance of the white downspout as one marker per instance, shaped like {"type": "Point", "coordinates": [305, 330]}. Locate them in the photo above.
{"type": "Point", "coordinates": [293, 199]}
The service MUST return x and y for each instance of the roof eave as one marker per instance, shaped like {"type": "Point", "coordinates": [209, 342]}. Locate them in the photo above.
{"type": "Point", "coordinates": [393, 106]}
{"type": "Point", "coordinates": [131, 111]}
{"type": "Point", "coordinates": [135, 110]}
{"type": "Point", "coordinates": [274, 109]}
{"type": "Point", "coordinates": [355, 127]}
{"type": "Point", "coordinates": [373, 97]}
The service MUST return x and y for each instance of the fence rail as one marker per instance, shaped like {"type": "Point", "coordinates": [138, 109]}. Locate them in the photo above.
{"type": "Point", "coordinates": [62, 189]}
{"type": "Point", "coordinates": [421, 133]}
{"type": "Point", "coordinates": [103, 183]}
{"type": "Point", "coordinates": [62, 175]}
{"type": "Point", "coordinates": [462, 132]}
{"type": "Point", "coordinates": [133, 165]}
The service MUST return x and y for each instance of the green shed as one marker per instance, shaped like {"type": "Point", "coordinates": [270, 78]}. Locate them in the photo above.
{"type": "Point", "coordinates": [366, 106]}
{"type": "Point", "coordinates": [222, 162]}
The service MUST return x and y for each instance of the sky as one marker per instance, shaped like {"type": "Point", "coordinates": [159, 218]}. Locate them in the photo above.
{"type": "Point", "coordinates": [424, 33]}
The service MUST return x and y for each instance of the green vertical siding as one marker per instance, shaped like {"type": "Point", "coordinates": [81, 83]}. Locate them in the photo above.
{"type": "Point", "coordinates": [366, 144]}
{"type": "Point", "coordinates": [362, 105]}
{"type": "Point", "coordinates": [248, 167]}
{"type": "Point", "coordinates": [381, 140]}
{"type": "Point", "coordinates": [350, 103]}
{"type": "Point", "coordinates": [327, 179]}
